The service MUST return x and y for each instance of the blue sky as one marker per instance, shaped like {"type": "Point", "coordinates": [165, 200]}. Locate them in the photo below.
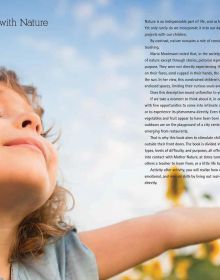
{"type": "Point", "coordinates": [88, 66]}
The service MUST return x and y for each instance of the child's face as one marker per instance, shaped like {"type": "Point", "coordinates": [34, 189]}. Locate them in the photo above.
{"type": "Point", "coordinates": [27, 178]}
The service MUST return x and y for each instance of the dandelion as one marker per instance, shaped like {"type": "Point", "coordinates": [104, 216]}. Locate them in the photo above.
{"type": "Point", "coordinates": [201, 253]}
{"type": "Point", "coordinates": [146, 269]}
{"type": "Point", "coordinates": [171, 255]}
{"type": "Point", "coordinates": [210, 250]}
{"type": "Point", "coordinates": [125, 277]}
{"type": "Point", "coordinates": [176, 184]}
{"type": "Point", "coordinates": [182, 268]}
{"type": "Point", "coordinates": [153, 269]}
{"type": "Point", "coordinates": [156, 270]}
{"type": "Point", "coordinates": [214, 250]}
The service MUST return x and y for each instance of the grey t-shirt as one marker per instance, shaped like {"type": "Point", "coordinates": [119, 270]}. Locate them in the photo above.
{"type": "Point", "coordinates": [67, 259]}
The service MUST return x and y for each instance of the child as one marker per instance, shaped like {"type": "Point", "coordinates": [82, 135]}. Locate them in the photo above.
{"type": "Point", "coordinates": [35, 241]}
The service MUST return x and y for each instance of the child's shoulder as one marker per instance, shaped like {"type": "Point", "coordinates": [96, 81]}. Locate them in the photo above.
{"type": "Point", "coordinates": [67, 258]}
{"type": "Point", "coordinates": [79, 258]}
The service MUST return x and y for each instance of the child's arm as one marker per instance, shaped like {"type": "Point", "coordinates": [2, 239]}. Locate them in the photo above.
{"type": "Point", "coordinates": [121, 246]}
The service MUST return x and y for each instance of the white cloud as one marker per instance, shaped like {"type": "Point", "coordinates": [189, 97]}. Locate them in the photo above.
{"type": "Point", "coordinates": [103, 2]}
{"type": "Point", "coordinates": [87, 10]}
{"type": "Point", "coordinates": [83, 10]}
{"type": "Point", "coordinates": [99, 23]}
{"type": "Point", "coordinates": [112, 83]}
{"type": "Point", "coordinates": [39, 45]}
{"type": "Point", "coordinates": [130, 27]}
{"type": "Point", "coordinates": [133, 26]}
{"type": "Point", "coordinates": [67, 55]}
{"type": "Point", "coordinates": [61, 7]}
{"type": "Point", "coordinates": [131, 58]}
{"type": "Point", "coordinates": [103, 24]}
{"type": "Point", "coordinates": [166, 7]}
{"type": "Point", "coordinates": [111, 61]}
{"type": "Point", "coordinates": [109, 159]}
{"type": "Point", "coordinates": [113, 70]}
{"type": "Point", "coordinates": [118, 121]}
{"type": "Point", "coordinates": [91, 104]}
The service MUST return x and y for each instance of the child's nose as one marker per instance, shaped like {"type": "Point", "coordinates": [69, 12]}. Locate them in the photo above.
{"type": "Point", "coordinates": [30, 119]}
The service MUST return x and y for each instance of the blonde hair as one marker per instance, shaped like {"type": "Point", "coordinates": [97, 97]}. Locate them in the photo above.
{"type": "Point", "coordinates": [47, 223]}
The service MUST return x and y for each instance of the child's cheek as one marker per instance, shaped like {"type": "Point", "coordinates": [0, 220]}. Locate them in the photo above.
{"type": "Point", "coordinates": [53, 165]}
